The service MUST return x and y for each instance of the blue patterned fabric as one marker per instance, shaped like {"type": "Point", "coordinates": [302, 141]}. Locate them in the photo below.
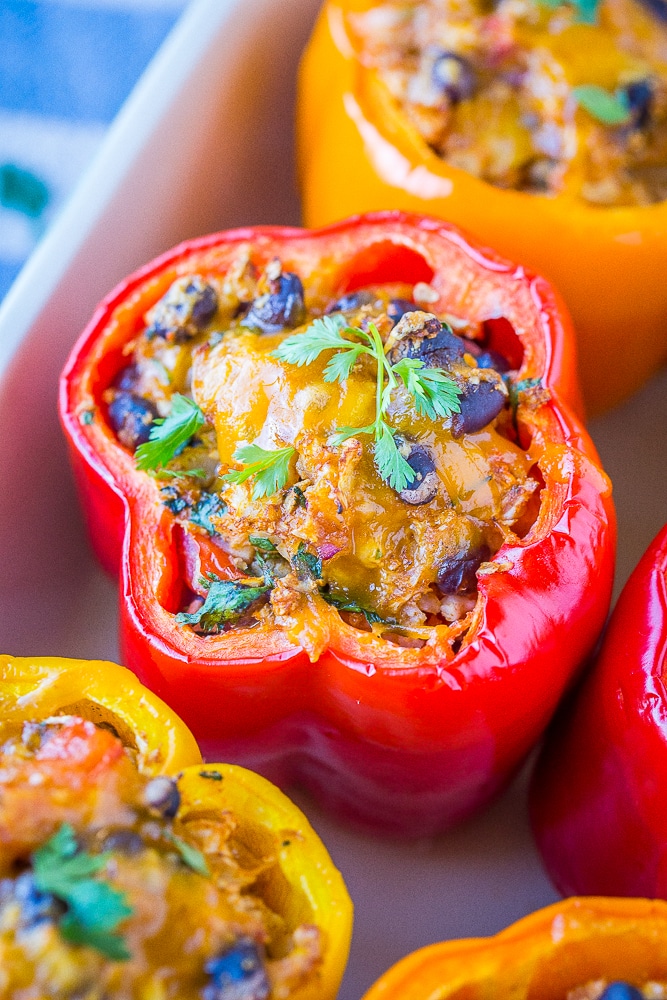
{"type": "Point", "coordinates": [66, 67]}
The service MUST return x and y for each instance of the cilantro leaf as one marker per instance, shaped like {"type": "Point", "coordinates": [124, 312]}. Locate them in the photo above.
{"type": "Point", "coordinates": [209, 505]}
{"type": "Point", "coordinates": [170, 434]}
{"type": "Point", "coordinates": [608, 108]}
{"type": "Point", "coordinates": [435, 394]}
{"type": "Point", "coordinates": [270, 468]}
{"type": "Point", "coordinates": [226, 601]}
{"type": "Point", "coordinates": [190, 855]}
{"type": "Point", "coordinates": [306, 565]}
{"type": "Point", "coordinates": [323, 334]}
{"type": "Point", "coordinates": [94, 908]}
{"type": "Point", "coordinates": [343, 433]}
{"type": "Point", "coordinates": [343, 604]}
{"type": "Point", "coordinates": [393, 468]}
{"type": "Point", "coordinates": [265, 544]}
{"type": "Point", "coordinates": [340, 365]}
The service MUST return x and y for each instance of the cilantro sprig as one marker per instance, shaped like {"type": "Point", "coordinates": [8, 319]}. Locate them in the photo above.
{"type": "Point", "coordinates": [586, 11]}
{"type": "Point", "coordinates": [226, 600]}
{"type": "Point", "coordinates": [433, 392]}
{"type": "Point", "coordinates": [169, 434]}
{"type": "Point", "coordinates": [269, 468]}
{"type": "Point", "coordinates": [94, 908]}
{"type": "Point", "coordinates": [603, 105]}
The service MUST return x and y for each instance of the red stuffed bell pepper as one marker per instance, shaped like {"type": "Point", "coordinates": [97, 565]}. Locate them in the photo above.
{"type": "Point", "coordinates": [364, 541]}
{"type": "Point", "coordinates": [598, 792]}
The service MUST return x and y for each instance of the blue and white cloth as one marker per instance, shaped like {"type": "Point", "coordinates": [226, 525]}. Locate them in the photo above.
{"type": "Point", "coordinates": [66, 67]}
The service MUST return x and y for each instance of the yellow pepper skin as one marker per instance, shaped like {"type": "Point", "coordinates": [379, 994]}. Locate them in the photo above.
{"type": "Point", "coordinates": [33, 688]}
{"type": "Point", "coordinates": [357, 153]}
{"type": "Point", "coordinates": [545, 955]}
{"type": "Point", "coordinates": [302, 885]}
{"type": "Point", "coordinates": [309, 889]}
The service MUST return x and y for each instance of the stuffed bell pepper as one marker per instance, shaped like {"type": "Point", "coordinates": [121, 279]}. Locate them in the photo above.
{"type": "Point", "coordinates": [119, 880]}
{"type": "Point", "coordinates": [578, 949]}
{"type": "Point", "coordinates": [598, 793]}
{"type": "Point", "coordinates": [364, 542]}
{"type": "Point", "coordinates": [540, 127]}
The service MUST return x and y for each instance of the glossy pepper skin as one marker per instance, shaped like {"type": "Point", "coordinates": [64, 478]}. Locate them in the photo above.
{"type": "Point", "coordinates": [406, 741]}
{"type": "Point", "coordinates": [358, 153]}
{"type": "Point", "coordinates": [545, 955]}
{"type": "Point", "coordinates": [303, 887]}
{"type": "Point", "coordinates": [102, 692]}
{"type": "Point", "coordinates": [598, 792]}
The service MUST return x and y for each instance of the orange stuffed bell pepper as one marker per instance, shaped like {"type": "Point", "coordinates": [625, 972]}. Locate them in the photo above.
{"type": "Point", "coordinates": [364, 543]}
{"type": "Point", "coordinates": [588, 948]}
{"type": "Point", "coordinates": [539, 128]}
{"type": "Point", "coordinates": [119, 879]}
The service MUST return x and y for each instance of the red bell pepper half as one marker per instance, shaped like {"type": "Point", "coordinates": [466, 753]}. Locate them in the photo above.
{"type": "Point", "coordinates": [598, 793]}
{"type": "Point", "coordinates": [406, 740]}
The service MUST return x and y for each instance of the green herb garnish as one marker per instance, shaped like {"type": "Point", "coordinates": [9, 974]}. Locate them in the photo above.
{"type": "Point", "coordinates": [209, 505]}
{"type": "Point", "coordinates": [191, 856]}
{"type": "Point", "coordinates": [608, 108]}
{"type": "Point", "coordinates": [307, 566]}
{"type": "Point", "coordinates": [226, 601]}
{"type": "Point", "coordinates": [270, 468]}
{"type": "Point", "coordinates": [586, 11]}
{"type": "Point", "coordinates": [170, 434]}
{"type": "Point", "coordinates": [264, 544]}
{"type": "Point", "coordinates": [343, 604]}
{"type": "Point", "coordinates": [94, 908]}
{"type": "Point", "coordinates": [212, 775]}
{"type": "Point", "coordinates": [433, 392]}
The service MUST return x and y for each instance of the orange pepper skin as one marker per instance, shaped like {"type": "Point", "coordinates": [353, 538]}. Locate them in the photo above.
{"type": "Point", "coordinates": [598, 792]}
{"type": "Point", "coordinates": [404, 741]}
{"type": "Point", "coordinates": [546, 954]}
{"type": "Point", "coordinates": [41, 686]}
{"type": "Point", "coordinates": [357, 153]}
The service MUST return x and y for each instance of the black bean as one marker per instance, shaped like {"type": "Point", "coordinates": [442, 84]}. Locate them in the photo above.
{"type": "Point", "coordinates": [131, 417]}
{"type": "Point", "coordinates": [640, 101]}
{"type": "Point", "coordinates": [454, 77]}
{"type": "Point", "coordinates": [397, 308]}
{"type": "Point", "coordinates": [128, 379]}
{"type": "Point", "coordinates": [237, 974]}
{"type": "Point", "coordinates": [485, 357]}
{"type": "Point", "coordinates": [282, 307]}
{"type": "Point", "coordinates": [124, 841]}
{"type": "Point", "coordinates": [186, 308]}
{"type": "Point", "coordinates": [421, 335]}
{"type": "Point", "coordinates": [424, 486]}
{"type": "Point", "coordinates": [619, 990]}
{"type": "Point", "coordinates": [352, 301]}
{"type": "Point", "coordinates": [162, 795]}
{"type": "Point", "coordinates": [458, 574]}
{"type": "Point", "coordinates": [479, 405]}
{"type": "Point", "coordinates": [657, 7]}
{"type": "Point", "coordinates": [36, 906]}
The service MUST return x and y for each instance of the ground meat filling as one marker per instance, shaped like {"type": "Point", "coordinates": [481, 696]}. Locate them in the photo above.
{"type": "Point", "coordinates": [107, 889]}
{"type": "Point", "coordinates": [288, 477]}
{"type": "Point", "coordinates": [542, 97]}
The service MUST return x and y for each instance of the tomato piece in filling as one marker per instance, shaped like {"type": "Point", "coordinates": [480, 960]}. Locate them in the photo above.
{"type": "Point", "coordinates": [110, 887]}
{"type": "Point", "coordinates": [359, 451]}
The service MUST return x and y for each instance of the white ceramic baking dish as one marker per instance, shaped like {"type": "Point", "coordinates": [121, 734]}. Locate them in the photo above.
{"type": "Point", "coordinates": [205, 143]}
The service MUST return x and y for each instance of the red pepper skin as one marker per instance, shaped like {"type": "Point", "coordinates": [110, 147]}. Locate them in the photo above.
{"type": "Point", "coordinates": [598, 791]}
{"type": "Point", "coordinates": [407, 741]}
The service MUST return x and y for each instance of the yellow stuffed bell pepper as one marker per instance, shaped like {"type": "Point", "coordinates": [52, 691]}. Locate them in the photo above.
{"type": "Point", "coordinates": [119, 880]}
{"type": "Point", "coordinates": [586, 948]}
{"type": "Point", "coordinates": [362, 149]}
{"type": "Point", "coordinates": [105, 693]}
